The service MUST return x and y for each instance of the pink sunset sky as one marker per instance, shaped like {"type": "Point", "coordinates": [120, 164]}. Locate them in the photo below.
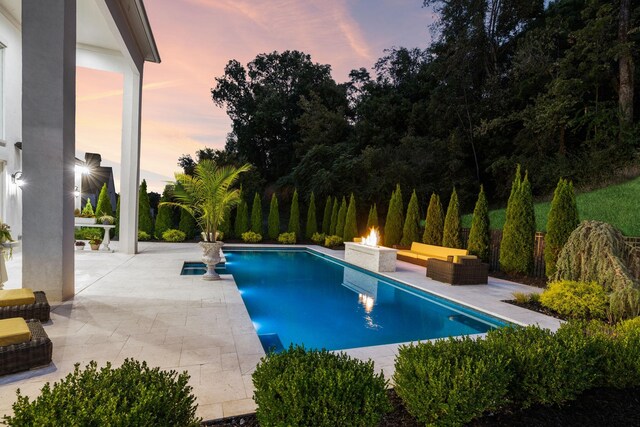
{"type": "Point", "coordinates": [196, 38]}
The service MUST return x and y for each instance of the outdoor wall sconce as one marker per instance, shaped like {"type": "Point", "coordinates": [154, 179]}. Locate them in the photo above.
{"type": "Point", "coordinates": [76, 191]}
{"type": "Point", "coordinates": [16, 178]}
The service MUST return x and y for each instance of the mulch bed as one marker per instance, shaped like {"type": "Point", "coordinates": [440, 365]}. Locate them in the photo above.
{"type": "Point", "coordinates": [536, 306]}
{"type": "Point", "coordinates": [597, 407]}
{"type": "Point", "coordinates": [538, 282]}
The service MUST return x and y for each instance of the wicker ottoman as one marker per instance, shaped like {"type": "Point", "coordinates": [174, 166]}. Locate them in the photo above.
{"type": "Point", "coordinates": [40, 309]}
{"type": "Point", "coordinates": [470, 271]}
{"type": "Point", "coordinates": [28, 355]}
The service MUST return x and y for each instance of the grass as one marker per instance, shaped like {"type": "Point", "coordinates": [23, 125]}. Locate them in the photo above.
{"type": "Point", "coordinates": [619, 205]}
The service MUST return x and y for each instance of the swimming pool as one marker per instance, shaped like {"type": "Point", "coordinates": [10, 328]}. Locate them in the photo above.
{"type": "Point", "coordinates": [303, 297]}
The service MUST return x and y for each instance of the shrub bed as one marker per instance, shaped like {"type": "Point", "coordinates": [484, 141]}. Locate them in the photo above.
{"type": "Point", "coordinates": [333, 241]}
{"type": "Point", "coordinates": [579, 300]}
{"type": "Point", "coordinates": [174, 236]}
{"type": "Point", "coordinates": [287, 238]}
{"type": "Point", "coordinates": [251, 237]}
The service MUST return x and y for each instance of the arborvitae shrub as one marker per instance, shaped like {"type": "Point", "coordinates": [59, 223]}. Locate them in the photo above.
{"type": "Point", "coordinates": [312, 222]}
{"type": "Point", "coordinates": [241, 224]}
{"type": "Point", "coordinates": [274, 218]}
{"type": "Point", "coordinates": [562, 220]}
{"type": "Point", "coordinates": [411, 229]}
{"type": "Point", "coordinates": [395, 219]}
{"type": "Point", "coordinates": [434, 225]}
{"type": "Point", "coordinates": [103, 206]}
{"type": "Point", "coordinates": [145, 222]}
{"type": "Point", "coordinates": [88, 209]}
{"type": "Point", "coordinates": [188, 224]}
{"type": "Point", "coordinates": [326, 216]}
{"type": "Point", "coordinates": [299, 387]}
{"type": "Point", "coordinates": [372, 220]}
{"type": "Point", "coordinates": [334, 216]}
{"type": "Point", "coordinates": [342, 216]}
{"type": "Point", "coordinates": [117, 229]}
{"type": "Point", "coordinates": [225, 226]}
{"type": "Point", "coordinates": [480, 233]}
{"type": "Point", "coordinates": [518, 235]}
{"type": "Point", "coordinates": [451, 235]}
{"type": "Point", "coordinates": [351, 221]}
{"type": "Point", "coordinates": [164, 220]}
{"type": "Point", "coordinates": [256, 215]}
{"type": "Point", "coordinates": [294, 215]}
{"type": "Point", "coordinates": [131, 395]}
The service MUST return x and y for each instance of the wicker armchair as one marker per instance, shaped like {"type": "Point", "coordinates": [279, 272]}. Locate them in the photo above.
{"type": "Point", "coordinates": [468, 271]}
{"type": "Point", "coordinates": [28, 355]}
{"type": "Point", "coordinates": [40, 309]}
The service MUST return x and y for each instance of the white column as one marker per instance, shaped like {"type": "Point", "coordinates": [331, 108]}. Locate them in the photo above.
{"type": "Point", "coordinates": [48, 136]}
{"type": "Point", "coordinates": [130, 162]}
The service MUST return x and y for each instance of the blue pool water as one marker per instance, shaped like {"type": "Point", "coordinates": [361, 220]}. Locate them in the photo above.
{"type": "Point", "coordinates": [302, 297]}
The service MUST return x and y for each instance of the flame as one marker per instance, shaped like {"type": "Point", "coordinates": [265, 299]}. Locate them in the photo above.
{"type": "Point", "coordinates": [371, 239]}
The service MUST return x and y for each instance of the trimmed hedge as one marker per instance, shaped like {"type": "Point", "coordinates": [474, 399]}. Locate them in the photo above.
{"type": "Point", "coordinates": [301, 387]}
{"type": "Point", "coordinates": [434, 224]}
{"type": "Point", "coordinates": [312, 222]}
{"type": "Point", "coordinates": [326, 216]}
{"type": "Point", "coordinates": [294, 215]}
{"type": "Point", "coordinates": [395, 219]}
{"type": "Point", "coordinates": [351, 221]}
{"type": "Point", "coordinates": [411, 229]}
{"type": "Point", "coordinates": [274, 218]}
{"type": "Point", "coordinates": [256, 214]}
{"type": "Point", "coordinates": [451, 234]}
{"type": "Point", "coordinates": [480, 233]}
{"type": "Point", "coordinates": [562, 220]}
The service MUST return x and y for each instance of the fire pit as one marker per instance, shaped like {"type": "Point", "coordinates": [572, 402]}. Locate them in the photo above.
{"type": "Point", "coordinates": [368, 255]}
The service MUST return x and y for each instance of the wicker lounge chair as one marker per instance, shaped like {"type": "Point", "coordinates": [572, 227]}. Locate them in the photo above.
{"type": "Point", "coordinates": [28, 355]}
{"type": "Point", "coordinates": [466, 271]}
{"type": "Point", "coordinates": [40, 309]}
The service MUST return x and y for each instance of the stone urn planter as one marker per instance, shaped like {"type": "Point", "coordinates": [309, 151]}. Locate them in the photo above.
{"type": "Point", "coordinates": [211, 257]}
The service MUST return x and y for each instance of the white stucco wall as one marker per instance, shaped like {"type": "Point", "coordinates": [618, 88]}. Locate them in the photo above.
{"type": "Point", "coordinates": [10, 157]}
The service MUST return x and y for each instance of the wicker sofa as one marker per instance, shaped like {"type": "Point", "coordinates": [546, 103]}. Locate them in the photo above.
{"type": "Point", "coordinates": [465, 270]}
{"type": "Point", "coordinates": [39, 309]}
{"type": "Point", "coordinates": [27, 355]}
{"type": "Point", "coordinates": [420, 253]}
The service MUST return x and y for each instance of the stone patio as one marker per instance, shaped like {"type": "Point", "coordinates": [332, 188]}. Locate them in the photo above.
{"type": "Point", "coordinates": [139, 306]}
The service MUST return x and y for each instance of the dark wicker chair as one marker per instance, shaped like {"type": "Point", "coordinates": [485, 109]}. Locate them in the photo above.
{"type": "Point", "coordinates": [40, 309]}
{"type": "Point", "coordinates": [469, 271]}
{"type": "Point", "coordinates": [28, 355]}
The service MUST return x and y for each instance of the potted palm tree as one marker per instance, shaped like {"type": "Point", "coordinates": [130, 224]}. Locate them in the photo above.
{"type": "Point", "coordinates": [208, 196]}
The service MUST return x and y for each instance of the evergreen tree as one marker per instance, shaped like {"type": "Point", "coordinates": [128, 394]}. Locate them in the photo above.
{"type": "Point", "coordinates": [145, 222]}
{"type": "Point", "coordinates": [256, 215]}
{"type": "Point", "coordinates": [563, 219]}
{"type": "Point", "coordinates": [326, 217]}
{"type": "Point", "coordinates": [372, 220]}
{"type": "Point", "coordinates": [241, 224]}
{"type": "Point", "coordinates": [451, 235]}
{"type": "Point", "coordinates": [88, 208]}
{"type": "Point", "coordinates": [274, 218]}
{"type": "Point", "coordinates": [117, 229]}
{"type": "Point", "coordinates": [351, 221]}
{"type": "Point", "coordinates": [103, 206]}
{"type": "Point", "coordinates": [411, 229]}
{"type": "Point", "coordinates": [480, 233]}
{"type": "Point", "coordinates": [164, 220]}
{"type": "Point", "coordinates": [434, 227]}
{"type": "Point", "coordinates": [188, 224]}
{"type": "Point", "coordinates": [518, 235]}
{"type": "Point", "coordinates": [294, 216]}
{"type": "Point", "coordinates": [342, 216]}
{"type": "Point", "coordinates": [395, 219]}
{"type": "Point", "coordinates": [334, 217]}
{"type": "Point", "coordinates": [312, 223]}
{"type": "Point", "coordinates": [225, 226]}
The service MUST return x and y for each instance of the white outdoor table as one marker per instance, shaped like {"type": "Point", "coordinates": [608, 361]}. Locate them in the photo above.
{"type": "Point", "coordinates": [107, 238]}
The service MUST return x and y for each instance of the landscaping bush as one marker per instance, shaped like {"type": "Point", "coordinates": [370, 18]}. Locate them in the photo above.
{"type": "Point", "coordinates": [318, 238]}
{"type": "Point", "coordinates": [333, 241]}
{"type": "Point", "coordinates": [117, 224]}
{"type": "Point", "coordinates": [597, 252]}
{"type": "Point", "coordinates": [143, 236]}
{"type": "Point", "coordinates": [411, 229]}
{"type": "Point", "coordinates": [256, 214]}
{"type": "Point", "coordinates": [480, 233]}
{"type": "Point", "coordinates": [318, 388]}
{"type": "Point", "coordinates": [87, 211]}
{"type": "Point", "coordinates": [145, 221]}
{"type": "Point", "coordinates": [224, 227]}
{"type": "Point", "coordinates": [131, 395]}
{"type": "Point", "coordinates": [312, 222]}
{"type": "Point", "coordinates": [326, 216]}
{"type": "Point", "coordinates": [334, 216]}
{"type": "Point", "coordinates": [251, 237]}
{"type": "Point", "coordinates": [164, 220]}
{"type": "Point", "coordinates": [524, 298]}
{"type": "Point", "coordinates": [546, 368]}
{"type": "Point", "coordinates": [287, 238]}
{"type": "Point", "coordinates": [562, 220]}
{"type": "Point", "coordinates": [172, 235]}
{"type": "Point", "coordinates": [103, 207]}
{"type": "Point", "coordinates": [274, 218]}
{"type": "Point", "coordinates": [241, 224]}
{"type": "Point", "coordinates": [372, 219]}
{"type": "Point", "coordinates": [188, 224]}
{"type": "Point", "coordinates": [294, 215]}
{"type": "Point", "coordinates": [451, 234]}
{"type": "Point", "coordinates": [578, 300]}
{"type": "Point", "coordinates": [452, 381]}
{"type": "Point", "coordinates": [342, 216]}
{"type": "Point", "coordinates": [434, 224]}
{"type": "Point", "coordinates": [351, 221]}
{"type": "Point", "coordinates": [395, 219]}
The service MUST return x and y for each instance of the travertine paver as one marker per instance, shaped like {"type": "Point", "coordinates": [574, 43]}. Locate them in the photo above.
{"type": "Point", "coordinates": [139, 306]}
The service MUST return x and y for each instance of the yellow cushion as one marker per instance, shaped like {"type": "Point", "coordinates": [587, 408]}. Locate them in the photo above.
{"type": "Point", "coordinates": [425, 257]}
{"type": "Point", "coordinates": [408, 254]}
{"type": "Point", "coordinates": [14, 331]}
{"type": "Point", "coordinates": [432, 251]}
{"type": "Point", "coordinates": [458, 258]}
{"type": "Point", "coordinates": [16, 297]}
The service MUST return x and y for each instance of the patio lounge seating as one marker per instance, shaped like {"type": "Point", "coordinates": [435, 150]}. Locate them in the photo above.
{"type": "Point", "coordinates": [24, 345]}
{"type": "Point", "coordinates": [24, 303]}
{"type": "Point", "coordinates": [420, 253]}
{"type": "Point", "coordinates": [465, 270]}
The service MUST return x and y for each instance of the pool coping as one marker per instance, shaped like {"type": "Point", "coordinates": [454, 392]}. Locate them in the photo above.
{"type": "Point", "coordinates": [414, 277]}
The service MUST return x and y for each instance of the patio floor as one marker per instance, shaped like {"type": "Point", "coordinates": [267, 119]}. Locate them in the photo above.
{"type": "Point", "coordinates": [140, 307]}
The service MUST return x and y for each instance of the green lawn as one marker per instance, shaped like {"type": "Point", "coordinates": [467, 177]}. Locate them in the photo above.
{"type": "Point", "coordinates": [618, 205]}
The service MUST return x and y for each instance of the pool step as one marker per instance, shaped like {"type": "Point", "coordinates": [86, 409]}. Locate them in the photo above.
{"type": "Point", "coordinates": [271, 343]}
